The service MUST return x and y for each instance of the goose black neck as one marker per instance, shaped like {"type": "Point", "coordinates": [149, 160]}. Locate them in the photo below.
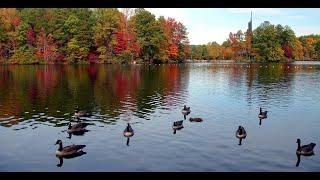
{"type": "Point", "coordinates": [299, 146]}
{"type": "Point", "coordinates": [260, 110]}
{"type": "Point", "coordinates": [240, 131]}
{"type": "Point", "coordinates": [60, 147]}
{"type": "Point", "coordinates": [128, 128]}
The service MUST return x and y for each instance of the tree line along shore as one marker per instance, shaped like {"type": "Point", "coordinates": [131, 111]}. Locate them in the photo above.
{"type": "Point", "coordinates": [110, 35]}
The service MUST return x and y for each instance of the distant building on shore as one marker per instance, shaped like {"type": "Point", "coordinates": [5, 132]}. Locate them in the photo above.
{"type": "Point", "coordinates": [249, 37]}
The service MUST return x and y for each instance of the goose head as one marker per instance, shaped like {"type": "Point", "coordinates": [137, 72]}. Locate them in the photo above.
{"type": "Point", "coordinates": [58, 142]}
{"type": "Point", "coordinates": [298, 141]}
{"type": "Point", "coordinates": [69, 125]}
{"type": "Point", "coordinates": [128, 127]}
{"type": "Point", "coordinates": [312, 145]}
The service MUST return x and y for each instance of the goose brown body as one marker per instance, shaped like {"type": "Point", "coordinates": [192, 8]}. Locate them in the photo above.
{"type": "Point", "coordinates": [195, 119]}
{"type": "Point", "coordinates": [79, 127]}
{"type": "Point", "coordinates": [241, 133]}
{"type": "Point", "coordinates": [306, 150]}
{"type": "Point", "coordinates": [68, 150]}
{"type": "Point", "coordinates": [186, 110]}
{"type": "Point", "coordinates": [177, 125]}
{"type": "Point", "coordinates": [128, 132]}
{"type": "Point", "coordinates": [262, 114]}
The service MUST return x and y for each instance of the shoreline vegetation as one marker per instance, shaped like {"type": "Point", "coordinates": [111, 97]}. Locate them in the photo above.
{"type": "Point", "coordinates": [135, 36]}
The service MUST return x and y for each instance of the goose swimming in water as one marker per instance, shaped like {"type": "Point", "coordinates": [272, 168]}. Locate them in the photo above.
{"type": "Point", "coordinates": [262, 114]}
{"type": "Point", "coordinates": [186, 110]}
{"type": "Point", "coordinates": [78, 113]}
{"type": "Point", "coordinates": [306, 150]}
{"type": "Point", "coordinates": [195, 119]}
{"type": "Point", "coordinates": [178, 125]}
{"type": "Point", "coordinates": [128, 132]}
{"type": "Point", "coordinates": [79, 127]}
{"type": "Point", "coordinates": [241, 134]}
{"type": "Point", "coordinates": [68, 150]}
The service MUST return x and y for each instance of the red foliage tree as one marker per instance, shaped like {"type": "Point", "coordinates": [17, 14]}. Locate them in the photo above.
{"type": "Point", "coordinates": [173, 50]}
{"type": "Point", "coordinates": [30, 36]}
{"type": "Point", "coordinates": [287, 51]}
{"type": "Point", "coordinates": [121, 42]}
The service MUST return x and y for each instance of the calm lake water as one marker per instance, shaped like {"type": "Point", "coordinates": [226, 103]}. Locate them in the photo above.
{"type": "Point", "coordinates": [37, 103]}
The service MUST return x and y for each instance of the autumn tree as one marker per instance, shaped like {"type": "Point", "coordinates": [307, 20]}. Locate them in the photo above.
{"type": "Point", "coordinates": [148, 33]}
{"type": "Point", "coordinates": [267, 43]}
{"type": "Point", "coordinates": [9, 24]}
{"type": "Point", "coordinates": [214, 50]}
{"type": "Point", "coordinates": [104, 32]}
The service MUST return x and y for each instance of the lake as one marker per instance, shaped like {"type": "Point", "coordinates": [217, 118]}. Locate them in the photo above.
{"type": "Point", "coordinates": [38, 102]}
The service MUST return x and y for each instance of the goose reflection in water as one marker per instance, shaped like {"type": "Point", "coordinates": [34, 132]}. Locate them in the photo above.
{"type": "Point", "coordinates": [77, 154]}
{"type": "Point", "coordinates": [260, 120]}
{"type": "Point", "coordinates": [128, 132]}
{"type": "Point", "coordinates": [178, 125]}
{"type": "Point", "coordinates": [305, 150]}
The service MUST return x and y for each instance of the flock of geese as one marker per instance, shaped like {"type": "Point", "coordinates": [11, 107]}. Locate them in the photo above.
{"type": "Point", "coordinates": [79, 128]}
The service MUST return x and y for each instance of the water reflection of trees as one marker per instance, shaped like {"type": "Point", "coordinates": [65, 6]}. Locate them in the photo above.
{"type": "Point", "coordinates": [107, 90]}
{"type": "Point", "coordinates": [265, 83]}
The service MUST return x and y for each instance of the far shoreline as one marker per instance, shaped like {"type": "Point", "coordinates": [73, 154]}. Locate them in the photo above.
{"type": "Point", "coordinates": [180, 62]}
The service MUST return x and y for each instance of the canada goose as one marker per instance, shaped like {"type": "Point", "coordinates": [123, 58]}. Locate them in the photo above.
{"type": "Point", "coordinates": [186, 110]}
{"type": "Point", "coordinates": [82, 113]}
{"type": "Point", "coordinates": [68, 150]}
{"type": "Point", "coordinates": [263, 114]}
{"type": "Point", "coordinates": [79, 127]}
{"type": "Point", "coordinates": [241, 134]}
{"type": "Point", "coordinates": [306, 150]}
{"type": "Point", "coordinates": [128, 132]}
{"type": "Point", "coordinates": [178, 125]}
{"type": "Point", "coordinates": [195, 119]}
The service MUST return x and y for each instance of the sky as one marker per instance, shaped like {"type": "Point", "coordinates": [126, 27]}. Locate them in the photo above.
{"type": "Point", "coordinates": [214, 24]}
